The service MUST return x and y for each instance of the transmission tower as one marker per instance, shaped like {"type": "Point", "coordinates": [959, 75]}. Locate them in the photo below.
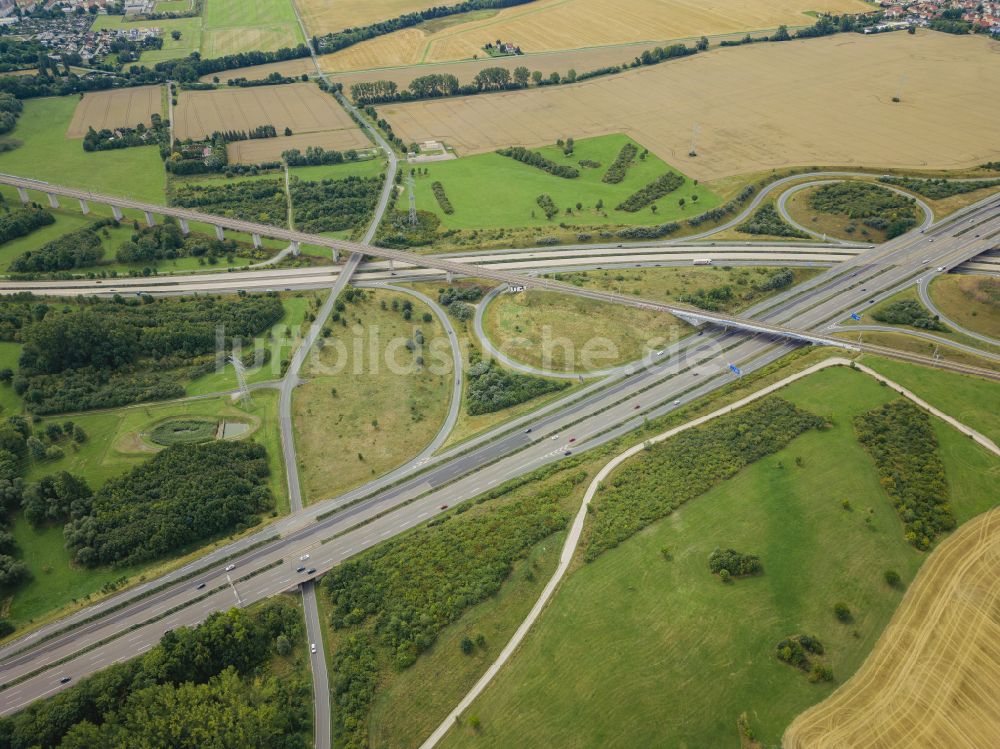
{"type": "Point", "coordinates": [413, 200]}
{"type": "Point", "coordinates": [241, 378]}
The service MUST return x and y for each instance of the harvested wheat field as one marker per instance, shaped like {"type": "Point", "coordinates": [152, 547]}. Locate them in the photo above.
{"type": "Point", "coordinates": [933, 679]}
{"type": "Point", "coordinates": [300, 106]}
{"type": "Point", "coordinates": [326, 16]}
{"type": "Point", "coordinates": [549, 25]}
{"type": "Point", "coordinates": [289, 68]}
{"type": "Point", "coordinates": [259, 150]}
{"type": "Point", "coordinates": [125, 107]}
{"type": "Point", "coordinates": [821, 101]}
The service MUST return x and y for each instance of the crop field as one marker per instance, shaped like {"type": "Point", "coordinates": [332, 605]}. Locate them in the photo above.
{"type": "Point", "coordinates": [324, 16]}
{"type": "Point", "coordinates": [841, 114]}
{"type": "Point", "coordinates": [260, 150]}
{"type": "Point", "coordinates": [124, 107]}
{"type": "Point", "coordinates": [699, 653]}
{"type": "Point", "coordinates": [934, 676]}
{"type": "Point", "coordinates": [288, 68]}
{"type": "Point", "coordinates": [467, 180]}
{"type": "Point", "coordinates": [549, 25]}
{"type": "Point", "coordinates": [299, 106]}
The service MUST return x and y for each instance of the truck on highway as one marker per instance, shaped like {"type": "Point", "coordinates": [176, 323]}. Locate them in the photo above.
{"type": "Point", "coordinates": [703, 261]}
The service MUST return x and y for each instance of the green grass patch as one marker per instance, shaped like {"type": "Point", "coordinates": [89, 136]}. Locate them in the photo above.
{"type": "Point", "coordinates": [47, 154]}
{"type": "Point", "coordinates": [363, 168]}
{"type": "Point", "coordinates": [471, 186]}
{"type": "Point", "coordinates": [232, 26]}
{"type": "Point", "coordinates": [176, 431]}
{"type": "Point", "coordinates": [690, 653]}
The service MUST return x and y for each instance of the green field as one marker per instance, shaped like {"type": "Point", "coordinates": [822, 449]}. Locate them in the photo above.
{"type": "Point", "coordinates": [190, 41]}
{"type": "Point", "coordinates": [663, 654]}
{"type": "Point", "coordinates": [47, 154]}
{"type": "Point", "coordinates": [232, 26]}
{"type": "Point", "coordinates": [361, 168]}
{"type": "Point", "coordinates": [493, 191]}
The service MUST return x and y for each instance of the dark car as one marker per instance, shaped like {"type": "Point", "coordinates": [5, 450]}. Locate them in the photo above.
{"type": "Point", "coordinates": [300, 569]}
{"type": "Point", "coordinates": [202, 585]}
{"type": "Point", "coordinates": [65, 680]}
{"type": "Point", "coordinates": [568, 452]}
{"type": "Point", "coordinates": [311, 571]}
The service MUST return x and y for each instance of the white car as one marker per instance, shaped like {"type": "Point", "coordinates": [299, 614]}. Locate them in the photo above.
{"type": "Point", "coordinates": [303, 558]}
{"type": "Point", "coordinates": [677, 403]}
{"type": "Point", "coordinates": [940, 269]}
{"type": "Point", "coordinates": [312, 648]}
{"type": "Point", "coordinates": [555, 436]}
{"type": "Point", "coordinates": [230, 568]}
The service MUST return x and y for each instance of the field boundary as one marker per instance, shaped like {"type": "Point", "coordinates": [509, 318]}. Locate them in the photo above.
{"type": "Point", "coordinates": [576, 530]}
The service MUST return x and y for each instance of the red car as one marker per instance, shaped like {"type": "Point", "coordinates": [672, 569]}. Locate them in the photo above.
{"type": "Point", "coordinates": [444, 507]}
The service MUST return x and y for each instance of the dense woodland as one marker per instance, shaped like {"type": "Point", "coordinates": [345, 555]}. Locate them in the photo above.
{"type": "Point", "coordinates": [184, 494]}
{"type": "Point", "coordinates": [77, 249]}
{"type": "Point", "coordinates": [391, 601]}
{"type": "Point", "coordinates": [767, 221]}
{"type": "Point", "coordinates": [900, 438]}
{"type": "Point", "coordinates": [656, 482]}
{"type": "Point", "coordinates": [165, 241]}
{"type": "Point", "coordinates": [871, 205]}
{"type": "Point", "coordinates": [334, 204]}
{"type": "Point", "coordinates": [262, 201]}
{"type": "Point", "coordinates": [205, 687]}
{"type": "Point", "coordinates": [101, 353]}
{"type": "Point", "coordinates": [22, 221]}
{"type": "Point", "coordinates": [491, 388]}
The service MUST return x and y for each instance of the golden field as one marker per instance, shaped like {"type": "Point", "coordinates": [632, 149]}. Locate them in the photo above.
{"type": "Point", "coordinates": [549, 25]}
{"type": "Point", "coordinates": [259, 150]}
{"type": "Point", "coordinates": [125, 107]}
{"type": "Point", "coordinates": [810, 102]}
{"type": "Point", "coordinates": [289, 68]}
{"type": "Point", "coordinates": [934, 676]}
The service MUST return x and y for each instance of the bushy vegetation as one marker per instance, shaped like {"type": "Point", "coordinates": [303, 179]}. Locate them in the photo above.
{"type": "Point", "coordinates": [101, 353]}
{"type": "Point", "coordinates": [10, 110]}
{"type": "Point", "coordinates": [22, 221]}
{"type": "Point", "coordinates": [455, 298]}
{"type": "Point", "coordinates": [150, 244]}
{"type": "Point", "coordinates": [262, 201]}
{"type": "Point", "coordinates": [871, 205]}
{"type": "Point", "coordinates": [651, 192]}
{"type": "Point", "coordinates": [908, 312]}
{"type": "Point", "coordinates": [176, 431]}
{"type": "Point", "coordinates": [78, 249]}
{"type": "Point", "coordinates": [442, 198]}
{"type": "Point", "coordinates": [185, 493]}
{"type": "Point", "coordinates": [317, 156]}
{"type": "Point", "coordinates": [767, 221]}
{"type": "Point", "coordinates": [106, 139]}
{"type": "Point", "coordinates": [491, 388]}
{"type": "Point", "coordinates": [619, 167]}
{"type": "Point", "coordinates": [334, 204]}
{"type": "Point", "coordinates": [393, 600]}
{"type": "Point", "coordinates": [535, 159]}
{"type": "Point", "coordinates": [547, 205]}
{"type": "Point", "coordinates": [900, 438]}
{"type": "Point", "coordinates": [735, 563]}
{"type": "Point", "coordinates": [713, 299]}
{"type": "Point", "coordinates": [656, 482]}
{"type": "Point", "coordinates": [937, 189]}
{"type": "Point", "coordinates": [208, 686]}
{"type": "Point", "coordinates": [796, 651]}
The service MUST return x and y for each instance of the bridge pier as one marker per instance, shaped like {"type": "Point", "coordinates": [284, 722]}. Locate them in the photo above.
{"type": "Point", "coordinates": [449, 276]}
{"type": "Point", "coordinates": [53, 200]}
{"type": "Point", "coordinates": [150, 221]}
{"type": "Point", "coordinates": [84, 207]}
{"type": "Point", "coordinates": [336, 255]}
{"type": "Point", "coordinates": [23, 195]}
{"type": "Point", "coordinates": [392, 265]}
{"type": "Point", "coordinates": [185, 229]}
{"type": "Point", "coordinates": [117, 213]}
{"type": "Point", "coordinates": [256, 241]}
{"type": "Point", "coordinates": [295, 248]}
{"type": "Point", "coordinates": [219, 233]}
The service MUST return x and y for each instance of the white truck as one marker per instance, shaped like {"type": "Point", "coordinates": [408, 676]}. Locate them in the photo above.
{"type": "Point", "coordinates": [703, 261]}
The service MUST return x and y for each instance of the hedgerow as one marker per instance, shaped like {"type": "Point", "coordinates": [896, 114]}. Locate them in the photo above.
{"type": "Point", "coordinates": [442, 198]}
{"type": "Point", "coordinates": [656, 482]}
{"type": "Point", "coordinates": [936, 189]}
{"type": "Point", "coordinates": [531, 158]}
{"type": "Point", "coordinates": [619, 167]}
{"type": "Point", "coordinates": [900, 438]}
{"type": "Point", "coordinates": [651, 192]}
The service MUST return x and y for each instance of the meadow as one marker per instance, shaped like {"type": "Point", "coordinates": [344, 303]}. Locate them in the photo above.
{"type": "Point", "coordinates": [232, 26]}
{"type": "Point", "coordinates": [551, 25]}
{"type": "Point", "coordinates": [971, 301]}
{"type": "Point", "coordinates": [840, 113]}
{"type": "Point", "coordinates": [473, 186]}
{"type": "Point", "coordinates": [698, 653]}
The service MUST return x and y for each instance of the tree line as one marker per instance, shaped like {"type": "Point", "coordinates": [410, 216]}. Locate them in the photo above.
{"type": "Point", "coordinates": [535, 159]}
{"type": "Point", "coordinates": [619, 167]}
{"type": "Point", "coordinates": [20, 222]}
{"type": "Point", "coordinates": [937, 189]}
{"type": "Point", "coordinates": [652, 192]}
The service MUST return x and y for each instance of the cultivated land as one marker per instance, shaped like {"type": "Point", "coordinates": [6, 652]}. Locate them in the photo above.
{"type": "Point", "coordinates": [261, 150]}
{"type": "Point", "coordinates": [971, 301]}
{"type": "Point", "coordinates": [467, 181]}
{"type": "Point", "coordinates": [691, 662]}
{"type": "Point", "coordinates": [354, 418]}
{"type": "Point", "coordinates": [558, 25]}
{"type": "Point", "coordinates": [47, 154]}
{"type": "Point", "coordinates": [934, 677]}
{"type": "Point", "coordinates": [287, 68]}
{"type": "Point", "coordinates": [840, 113]}
{"type": "Point", "coordinates": [126, 107]}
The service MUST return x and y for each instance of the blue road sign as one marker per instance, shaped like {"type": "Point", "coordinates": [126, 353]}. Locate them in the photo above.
{"type": "Point", "coordinates": [734, 369]}
{"type": "Point", "coordinates": [855, 316]}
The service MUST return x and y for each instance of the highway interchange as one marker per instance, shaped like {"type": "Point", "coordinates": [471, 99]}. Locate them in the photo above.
{"type": "Point", "coordinates": [333, 530]}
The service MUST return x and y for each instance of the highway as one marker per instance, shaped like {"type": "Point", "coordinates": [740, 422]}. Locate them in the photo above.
{"type": "Point", "coordinates": [692, 367]}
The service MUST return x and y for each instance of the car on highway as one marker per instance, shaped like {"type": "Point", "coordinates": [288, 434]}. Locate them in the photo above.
{"type": "Point", "coordinates": [303, 558]}
{"type": "Point", "coordinates": [230, 568]}
{"type": "Point", "coordinates": [636, 407]}
{"type": "Point", "coordinates": [311, 571]}
{"type": "Point", "coordinates": [300, 569]}
{"type": "Point", "coordinates": [312, 648]}
{"type": "Point", "coordinates": [572, 439]}
{"type": "Point", "coordinates": [568, 452]}
{"type": "Point", "coordinates": [677, 402]}
{"type": "Point", "coordinates": [201, 586]}
{"type": "Point", "coordinates": [65, 680]}
{"type": "Point", "coordinates": [528, 430]}
{"type": "Point", "coordinates": [940, 269]}
{"type": "Point", "coordinates": [443, 507]}
{"type": "Point", "coordinates": [555, 436]}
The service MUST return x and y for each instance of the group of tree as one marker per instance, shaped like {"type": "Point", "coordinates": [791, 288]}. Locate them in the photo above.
{"type": "Point", "coordinates": [548, 205]}
{"type": "Point", "coordinates": [535, 159]}
{"type": "Point", "coordinates": [150, 244]}
{"type": "Point", "coordinates": [20, 222]}
{"type": "Point", "coordinates": [317, 156]}
{"type": "Point", "coordinates": [341, 39]}
{"type": "Point", "coordinates": [768, 221]}
{"type": "Point", "coordinates": [208, 686]}
{"type": "Point", "coordinates": [733, 563]}
{"type": "Point", "coordinates": [442, 198]}
{"type": "Point", "coordinates": [455, 299]}
{"type": "Point", "coordinates": [257, 133]}
{"type": "Point", "coordinates": [658, 480]}
{"type": "Point", "coordinates": [872, 205]}
{"type": "Point", "coordinates": [619, 167]}
{"type": "Point", "coordinates": [799, 651]}
{"type": "Point", "coordinates": [908, 312]}
{"type": "Point", "coordinates": [10, 110]}
{"type": "Point", "coordinates": [491, 388]}
{"type": "Point", "coordinates": [262, 200]}
{"type": "Point", "coordinates": [78, 249]}
{"type": "Point", "coordinates": [391, 602]}
{"type": "Point", "coordinates": [274, 79]}
{"type": "Point", "coordinates": [937, 189]}
{"type": "Point", "coordinates": [652, 192]}
{"type": "Point", "coordinates": [106, 139]}
{"type": "Point", "coordinates": [334, 204]}
{"type": "Point", "coordinates": [900, 438]}
{"type": "Point", "coordinates": [198, 157]}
